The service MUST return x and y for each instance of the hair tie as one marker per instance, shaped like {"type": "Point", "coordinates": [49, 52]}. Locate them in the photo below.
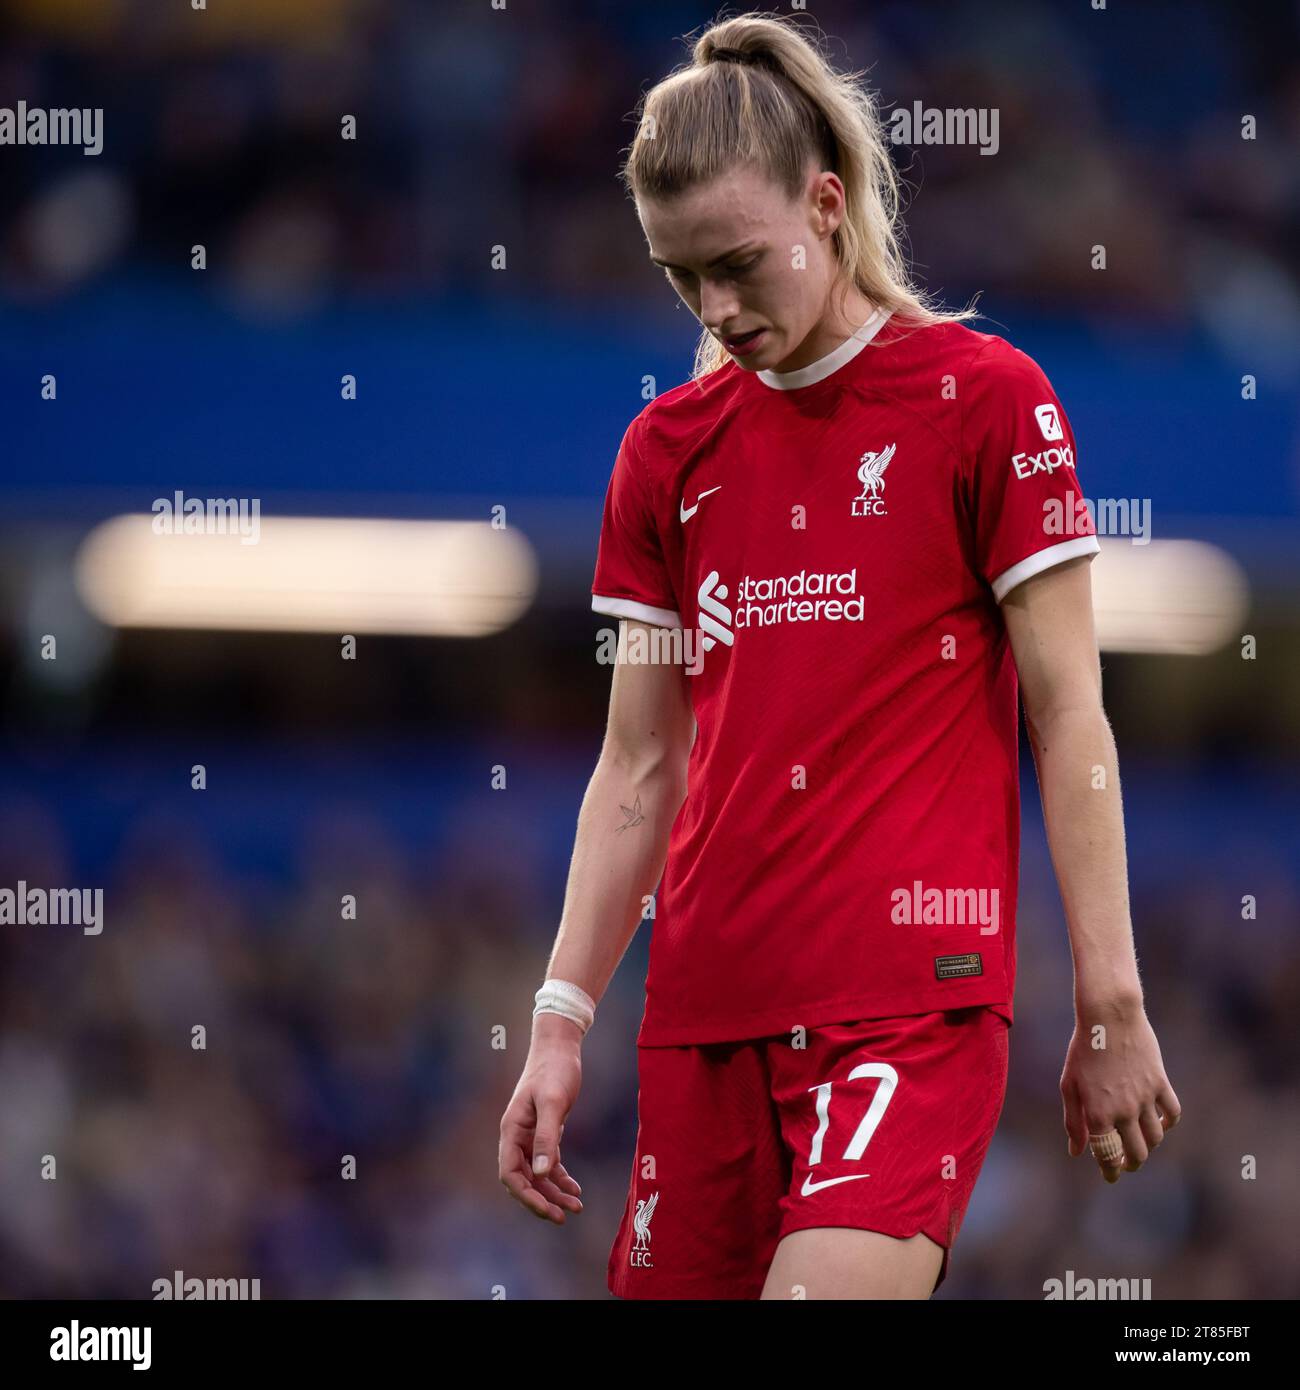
{"type": "Point", "coordinates": [733, 55]}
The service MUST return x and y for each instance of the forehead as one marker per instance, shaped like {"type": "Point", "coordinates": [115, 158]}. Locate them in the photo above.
{"type": "Point", "coordinates": [711, 219]}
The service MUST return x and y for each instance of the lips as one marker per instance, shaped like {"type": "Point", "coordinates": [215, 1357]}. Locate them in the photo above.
{"type": "Point", "coordinates": [742, 343]}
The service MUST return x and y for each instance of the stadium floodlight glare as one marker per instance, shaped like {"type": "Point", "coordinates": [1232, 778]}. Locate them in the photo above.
{"type": "Point", "coordinates": [311, 574]}
{"type": "Point", "coordinates": [1183, 598]}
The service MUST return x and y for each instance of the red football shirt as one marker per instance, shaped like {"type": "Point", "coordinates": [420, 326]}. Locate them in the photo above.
{"type": "Point", "coordinates": [839, 539]}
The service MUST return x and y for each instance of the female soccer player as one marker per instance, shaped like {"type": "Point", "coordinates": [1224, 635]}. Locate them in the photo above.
{"type": "Point", "coordinates": [861, 524]}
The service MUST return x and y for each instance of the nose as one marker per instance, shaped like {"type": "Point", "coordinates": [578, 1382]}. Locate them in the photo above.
{"type": "Point", "coordinates": [718, 305]}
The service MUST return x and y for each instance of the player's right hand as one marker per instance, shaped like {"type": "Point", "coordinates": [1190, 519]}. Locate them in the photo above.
{"type": "Point", "coordinates": [528, 1158]}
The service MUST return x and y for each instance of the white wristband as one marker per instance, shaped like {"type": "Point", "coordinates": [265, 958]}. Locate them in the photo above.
{"type": "Point", "coordinates": [560, 997]}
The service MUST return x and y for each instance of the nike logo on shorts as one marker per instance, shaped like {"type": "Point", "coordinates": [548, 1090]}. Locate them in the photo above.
{"type": "Point", "coordinates": [809, 1187]}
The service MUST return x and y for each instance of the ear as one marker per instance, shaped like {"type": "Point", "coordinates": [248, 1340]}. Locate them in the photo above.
{"type": "Point", "coordinates": [826, 194]}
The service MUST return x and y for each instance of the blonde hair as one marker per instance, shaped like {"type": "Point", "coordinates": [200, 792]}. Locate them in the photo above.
{"type": "Point", "coordinates": [759, 91]}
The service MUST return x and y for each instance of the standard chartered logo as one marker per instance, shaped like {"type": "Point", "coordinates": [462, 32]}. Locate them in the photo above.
{"type": "Point", "coordinates": [714, 614]}
{"type": "Point", "coordinates": [809, 596]}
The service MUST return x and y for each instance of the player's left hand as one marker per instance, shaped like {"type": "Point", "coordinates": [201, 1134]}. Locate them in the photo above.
{"type": "Point", "coordinates": [1114, 1083]}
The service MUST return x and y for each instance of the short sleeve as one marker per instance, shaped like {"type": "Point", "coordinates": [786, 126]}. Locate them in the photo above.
{"type": "Point", "coordinates": [1029, 510]}
{"type": "Point", "coordinates": [632, 579]}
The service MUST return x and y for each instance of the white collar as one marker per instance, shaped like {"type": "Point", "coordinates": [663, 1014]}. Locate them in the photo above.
{"type": "Point", "coordinates": [832, 362]}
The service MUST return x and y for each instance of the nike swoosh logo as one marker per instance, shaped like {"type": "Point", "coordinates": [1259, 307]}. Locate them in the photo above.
{"type": "Point", "coordinates": [688, 512]}
{"type": "Point", "coordinates": [809, 1187]}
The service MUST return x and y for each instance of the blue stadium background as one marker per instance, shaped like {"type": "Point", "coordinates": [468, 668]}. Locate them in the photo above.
{"type": "Point", "coordinates": [479, 388]}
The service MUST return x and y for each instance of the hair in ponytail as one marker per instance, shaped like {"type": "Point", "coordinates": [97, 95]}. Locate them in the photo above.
{"type": "Point", "coordinates": [759, 91]}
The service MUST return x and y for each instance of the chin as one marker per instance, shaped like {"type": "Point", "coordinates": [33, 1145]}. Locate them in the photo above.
{"type": "Point", "coordinates": [764, 359]}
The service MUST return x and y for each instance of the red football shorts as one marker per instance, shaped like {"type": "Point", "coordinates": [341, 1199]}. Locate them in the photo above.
{"type": "Point", "coordinates": [880, 1125]}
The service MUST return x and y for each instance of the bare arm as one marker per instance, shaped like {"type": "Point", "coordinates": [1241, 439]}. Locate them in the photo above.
{"type": "Point", "coordinates": [622, 839]}
{"type": "Point", "coordinates": [1049, 619]}
{"type": "Point", "coordinates": [618, 856]}
{"type": "Point", "coordinates": [1114, 1078]}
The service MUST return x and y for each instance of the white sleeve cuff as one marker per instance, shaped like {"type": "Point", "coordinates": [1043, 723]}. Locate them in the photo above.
{"type": "Point", "coordinates": [630, 608]}
{"type": "Point", "coordinates": [1042, 560]}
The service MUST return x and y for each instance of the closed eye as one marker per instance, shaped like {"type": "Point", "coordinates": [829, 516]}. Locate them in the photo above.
{"type": "Point", "coordinates": [730, 271]}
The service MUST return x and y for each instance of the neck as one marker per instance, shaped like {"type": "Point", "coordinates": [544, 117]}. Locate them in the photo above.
{"type": "Point", "coordinates": [843, 317]}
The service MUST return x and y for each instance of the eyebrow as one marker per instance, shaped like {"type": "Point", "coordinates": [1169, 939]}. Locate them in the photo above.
{"type": "Point", "coordinates": [717, 260]}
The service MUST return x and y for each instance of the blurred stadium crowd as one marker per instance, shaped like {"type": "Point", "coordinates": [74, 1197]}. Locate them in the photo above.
{"type": "Point", "coordinates": [375, 1038]}
{"type": "Point", "coordinates": [480, 127]}
{"type": "Point", "coordinates": [329, 1037]}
